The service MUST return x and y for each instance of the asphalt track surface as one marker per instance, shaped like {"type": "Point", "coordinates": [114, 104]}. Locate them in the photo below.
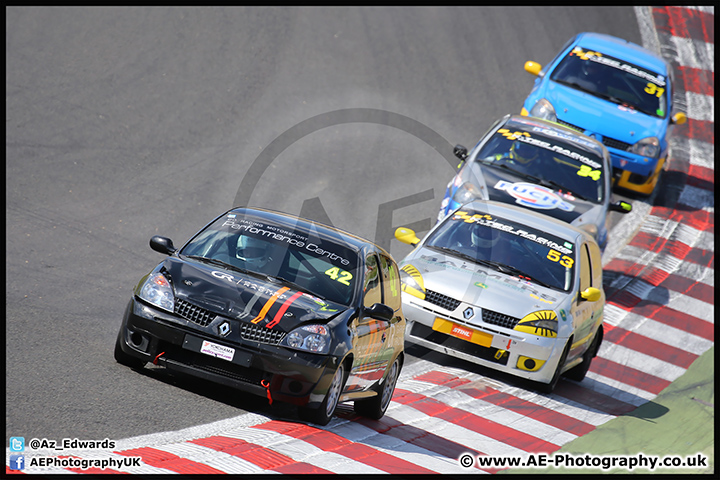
{"type": "Point", "coordinates": [123, 123]}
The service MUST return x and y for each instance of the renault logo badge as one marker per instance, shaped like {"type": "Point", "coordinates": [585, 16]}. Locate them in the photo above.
{"type": "Point", "coordinates": [224, 328]}
{"type": "Point", "coordinates": [468, 313]}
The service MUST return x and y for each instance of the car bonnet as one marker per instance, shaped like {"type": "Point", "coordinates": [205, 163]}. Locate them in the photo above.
{"type": "Point", "coordinates": [593, 115]}
{"type": "Point", "coordinates": [477, 285]}
{"type": "Point", "coordinates": [246, 297]}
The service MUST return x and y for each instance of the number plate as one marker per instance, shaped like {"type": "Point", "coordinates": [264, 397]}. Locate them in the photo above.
{"type": "Point", "coordinates": [460, 331]}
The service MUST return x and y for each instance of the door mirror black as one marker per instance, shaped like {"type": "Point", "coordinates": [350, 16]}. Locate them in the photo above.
{"type": "Point", "coordinates": [162, 245]}
{"type": "Point", "coordinates": [380, 311]}
{"type": "Point", "coordinates": [460, 152]}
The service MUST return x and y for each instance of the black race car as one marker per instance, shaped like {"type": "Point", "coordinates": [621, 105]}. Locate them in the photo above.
{"type": "Point", "coordinates": [274, 305]}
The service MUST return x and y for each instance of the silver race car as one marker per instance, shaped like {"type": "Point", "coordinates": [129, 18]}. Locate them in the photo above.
{"type": "Point", "coordinates": [507, 288]}
{"type": "Point", "coordinates": [542, 166]}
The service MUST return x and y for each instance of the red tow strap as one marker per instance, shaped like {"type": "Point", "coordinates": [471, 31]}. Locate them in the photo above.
{"type": "Point", "coordinates": [266, 384]}
{"type": "Point", "coordinates": [157, 358]}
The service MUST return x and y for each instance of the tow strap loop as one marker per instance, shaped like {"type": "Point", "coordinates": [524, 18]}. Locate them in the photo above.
{"type": "Point", "coordinates": [266, 384]}
{"type": "Point", "coordinates": [158, 357]}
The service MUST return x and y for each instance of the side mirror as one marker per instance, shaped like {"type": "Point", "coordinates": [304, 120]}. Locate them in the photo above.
{"type": "Point", "coordinates": [380, 311]}
{"type": "Point", "coordinates": [621, 206]}
{"type": "Point", "coordinates": [591, 294]}
{"type": "Point", "coordinates": [405, 235]}
{"type": "Point", "coordinates": [679, 118]}
{"type": "Point", "coordinates": [162, 245]}
{"type": "Point", "coordinates": [460, 152]}
{"type": "Point", "coordinates": [533, 68]}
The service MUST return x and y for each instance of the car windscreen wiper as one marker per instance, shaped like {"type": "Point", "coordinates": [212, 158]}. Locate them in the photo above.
{"type": "Point", "coordinates": [509, 269]}
{"type": "Point", "coordinates": [295, 286]}
{"type": "Point", "coordinates": [557, 186]}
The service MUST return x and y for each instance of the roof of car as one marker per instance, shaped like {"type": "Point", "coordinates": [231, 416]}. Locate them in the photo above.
{"type": "Point", "coordinates": [623, 50]}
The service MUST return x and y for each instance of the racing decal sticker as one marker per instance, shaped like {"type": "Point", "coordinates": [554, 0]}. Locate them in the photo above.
{"type": "Point", "coordinates": [615, 63]}
{"type": "Point", "coordinates": [468, 334]}
{"type": "Point", "coordinates": [412, 281]}
{"type": "Point", "coordinates": [536, 323]}
{"type": "Point", "coordinates": [282, 310]}
{"type": "Point", "coordinates": [534, 196]}
{"type": "Point", "coordinates": [273, 298]}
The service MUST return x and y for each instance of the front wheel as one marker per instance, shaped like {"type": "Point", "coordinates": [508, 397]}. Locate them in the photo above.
{"type": "Point", "coordinates": [549, 387]}
{"type": "Point", "coordinates": [375, 407]}
{"type": "Point", "coordinates": [578, 372]}
{"type": "Point", "coordinates": [324, 413]}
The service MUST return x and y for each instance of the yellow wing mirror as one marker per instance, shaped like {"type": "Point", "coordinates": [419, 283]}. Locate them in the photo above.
{"type": "Point", "coordinates": [533, 67]}
{"type": "Point", "coordinates": [591, 294]}
{"type": "Point", "coordinates": [406, 235]}
{"type": "Point", "coordinates": [679, 118]}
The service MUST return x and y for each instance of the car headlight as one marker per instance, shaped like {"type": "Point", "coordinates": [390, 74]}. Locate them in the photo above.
{"type": "Point", "coordinates": [467, 192]}
{"type": "Point", "coordinates": [543, 323]}
{"type": "Point", "coordinates": [311, 338]}
{"type": "Point", "coordinates": [543, 109]}
{"type": "Point", "coordinates": [647, 147]}
{"type": "Point", "coordinates": [158, 291]}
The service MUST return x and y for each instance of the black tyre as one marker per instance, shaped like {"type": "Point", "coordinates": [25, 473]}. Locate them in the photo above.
{"type": "Point", "coordinates": [549, 387]}
{"type": "Point", "coordinates": [324, 413]}
{"type": "Point", "coordinates": [375, 407]}
{"type": "Point", "coordinates": [123, 358]}
{"type": "Point", "coordinates": [578, 372]}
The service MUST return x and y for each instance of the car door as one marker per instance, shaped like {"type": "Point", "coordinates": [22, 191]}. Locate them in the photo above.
{"type": "Point", "coordinates": [583, 311]}
{"type": "Point", "coordinates": [368, 333]}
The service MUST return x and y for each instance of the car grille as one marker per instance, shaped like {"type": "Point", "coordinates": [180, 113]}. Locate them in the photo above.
{"type": "Point", "coordinates": [499, 319]}
{"type": "Point", "coordinates": [607, 141]}
{"type": "Point", "coordinates": [193, 313]}
{"type": "Point", "coordinates": [255, 333]}
{"type": "Point", "coordinates": [448, 303]}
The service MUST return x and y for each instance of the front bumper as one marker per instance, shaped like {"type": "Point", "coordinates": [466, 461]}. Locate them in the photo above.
{"type": "Point", "coordinates": [488, 345]}
{"type": "Point", "coordinates": [159, 337]}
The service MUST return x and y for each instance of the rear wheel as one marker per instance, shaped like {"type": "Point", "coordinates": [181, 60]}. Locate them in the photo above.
{"type": "Point", "coordinates": [375, 407]}
{"type": "Point", "coordinates": [324, 413]}
{"type": "Point", "coordinates": [123, 358]}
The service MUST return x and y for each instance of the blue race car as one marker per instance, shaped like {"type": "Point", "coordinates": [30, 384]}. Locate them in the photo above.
{"type": "Point", "coordinates": [615, 91]}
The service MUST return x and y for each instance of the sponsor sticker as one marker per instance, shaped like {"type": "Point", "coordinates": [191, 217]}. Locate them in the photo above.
{"type": "Point", "coordinates": [218, 351]}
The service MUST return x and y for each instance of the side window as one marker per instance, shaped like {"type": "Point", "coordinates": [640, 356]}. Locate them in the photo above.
{"type": "Point", "coordinates": [372, 288]}
{"type": "Point", "coordinates": [585, 270]}
{"type": "Point", "coordinates": [595, 265]}
{"type": "Point", "coordinates": [391, 282]}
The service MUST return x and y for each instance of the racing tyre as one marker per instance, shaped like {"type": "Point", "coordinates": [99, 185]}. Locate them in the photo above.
{"type": "Point", "coordinates": [376, 406]}
{"type": "Point", "coordinates": [578, 372]}
{"type": "Point", "coordinates": [123, 358]}
{"type": "Point", "coordinates": [549, 387]}
{"type": "Point", "coordinates": [324, 413]}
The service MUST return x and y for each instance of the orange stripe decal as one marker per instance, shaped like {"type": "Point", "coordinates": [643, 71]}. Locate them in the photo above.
{"type": "Point", "coordinates": [269, 304]}
{"type": "Point", "coordinates": [283, 309]}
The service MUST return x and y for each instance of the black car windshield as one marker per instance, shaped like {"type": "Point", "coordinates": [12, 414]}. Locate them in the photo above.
{"type": "Point", "coordinates": [614, 80]}
{"type": "Point", "coordinates": [543, 156]}
{"type": "Point", "coordinates": [280, 253]}
{"type": "Point", "coordinates": [508, 247]}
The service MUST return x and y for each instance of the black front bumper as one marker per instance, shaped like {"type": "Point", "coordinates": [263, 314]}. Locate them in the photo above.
{"type": "Point", "coordinates": [167, 340]}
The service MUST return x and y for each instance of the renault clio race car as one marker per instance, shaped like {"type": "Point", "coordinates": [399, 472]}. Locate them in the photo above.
{"type": "Point", "coordinates": [541, 166]}
{"type": "Point", "coordinates": [507, 288]}
{"type": "Point", "coordinates": [273, 305]}
{"type": "Point", "coordinates": [616, 91]}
